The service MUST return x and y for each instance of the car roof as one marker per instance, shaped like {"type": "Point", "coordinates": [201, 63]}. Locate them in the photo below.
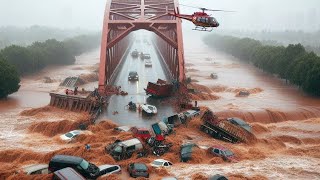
{"type": "Point", "coordinates": [75, 132]}
{"type": "Point", "coordinates": [169, 178]}
{"type": "Point", "coordinates": [68, 173]}
{"type": "Point", "coordinates": [124, 128]}
{"type": "Point", "coordinates": [142, 129]}
{"type": "Point", "coordinates": [239, 121]}
{"type": "Point", "coordinates": [67, 159]}
{"type": "Point", "coordinates": [161, 160]}
{"type": "Point", "coordinates": [139, 165]}
{"type": "Point", "coordinates": [131, 142]}
{"type": "Point", "coordinates": [34, 167]}
{"type": "Point", "coordinates": [188, 144]}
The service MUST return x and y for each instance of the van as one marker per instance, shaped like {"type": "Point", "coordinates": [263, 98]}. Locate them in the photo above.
{"type": "Point", "coordinates": [124, 149]}
{"type": "Point", "coordinates": [67, 174]}
{"type": "Point", "coordinates": [85, 168]}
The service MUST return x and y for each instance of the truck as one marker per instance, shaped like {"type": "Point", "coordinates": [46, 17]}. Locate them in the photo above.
{"type": "Point", "coordinates": [223, 129]}
{"type": "Point", "coordinates": [159, 89]}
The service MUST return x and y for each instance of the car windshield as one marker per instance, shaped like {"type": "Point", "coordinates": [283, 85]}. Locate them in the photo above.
{"type": "Point", "coordinates": [158, 163]}
{"type": "Point", "coordinates": [118, 149]}
{"type": "Point", "coordinates": [84, 164]}
{"type": "Point", "coordinates": [69, 135]}
{"type": "Point", "coordinates": [239, 121]}
{"type": "Point", "coordinates": [150, 107]}
{"type": "Point", "coordinates": [228, 153]}
{"type": "Point", "coordinates": [133, 73]}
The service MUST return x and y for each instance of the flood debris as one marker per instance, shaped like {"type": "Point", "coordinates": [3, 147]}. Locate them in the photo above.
{"type": "Point", "coordinates": [214, 75]}
{"type": "Point", "coordinates": [160, 89]}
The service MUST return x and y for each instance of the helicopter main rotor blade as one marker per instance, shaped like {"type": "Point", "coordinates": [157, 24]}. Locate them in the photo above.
{"type": "Point", "coordinates": [205, 9]}
{"type": "Point", "coordinates": [190, 6]}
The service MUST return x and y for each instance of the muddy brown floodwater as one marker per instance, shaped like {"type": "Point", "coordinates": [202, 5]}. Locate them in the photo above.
{"type": "Point", "coordinates": [285, 122]}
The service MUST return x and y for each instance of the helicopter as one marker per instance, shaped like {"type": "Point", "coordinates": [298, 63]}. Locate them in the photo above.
{"type": "Point", "coordinates": [202, 20]}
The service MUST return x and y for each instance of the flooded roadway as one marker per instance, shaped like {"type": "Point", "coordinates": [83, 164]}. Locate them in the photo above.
{"type": "Point", "coordinates": [135, 89]}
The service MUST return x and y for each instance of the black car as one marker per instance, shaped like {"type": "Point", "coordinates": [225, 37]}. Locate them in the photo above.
{"type": "Point", "coordinates": [133, 75]}
{"type": "Point", "coordinates": [145, 56]}
{"type": "Point", "coordinates": [186, 152]}
{"type": "Point", "coordinates": [135, 54]}
{"type": "Point", "coordinates": [218, 177]}
{"type": "Point", "coordinates": [138, 170]}
{"type": "Point", "coordinates": [85, 168]}
{"type": "Point", "coordinates": [240, 122]}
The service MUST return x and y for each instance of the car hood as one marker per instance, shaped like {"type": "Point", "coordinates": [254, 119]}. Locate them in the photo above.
{"type": "Point", "coordinates": [102, 167]}
{"type": "Point", "coordinates": [65, 138]}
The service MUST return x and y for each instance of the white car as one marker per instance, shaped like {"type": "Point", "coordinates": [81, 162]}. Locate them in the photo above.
{"type": "Point", "coordinates": [108, 169]}
{"type": "Point", "coordinates": [122, 128]}
{"type": "Point", "coordinates": [149, 109]}
{"type": "Point", "coordinates": [35, 169]}
{"type": "Point", "coordinates": [70, 135]}
{"type": "Point", "coordinates": [161, 163]}
{"type": "Point", "coordinates": [148, 63]}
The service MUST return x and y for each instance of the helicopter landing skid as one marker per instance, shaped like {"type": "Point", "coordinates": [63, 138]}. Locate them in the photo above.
{"type": "Point", "coordinates": [199, 28]}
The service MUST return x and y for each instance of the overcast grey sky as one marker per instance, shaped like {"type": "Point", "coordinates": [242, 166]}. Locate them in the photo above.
{"type": "Point", "coordinates": [88, 14]}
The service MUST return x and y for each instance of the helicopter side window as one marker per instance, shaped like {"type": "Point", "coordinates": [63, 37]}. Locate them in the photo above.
{"type": "Point", "coordinates": [202, 19]}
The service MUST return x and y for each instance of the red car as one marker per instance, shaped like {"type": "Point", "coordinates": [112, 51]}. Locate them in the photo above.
{"type": "Point", "coordinates": [222, 152]}
{"type": "Point", "coordinates": [142, 133]}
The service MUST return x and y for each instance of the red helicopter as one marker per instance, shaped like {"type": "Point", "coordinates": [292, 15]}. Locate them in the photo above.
{"type": "Point", "coordinates": [202, 20]}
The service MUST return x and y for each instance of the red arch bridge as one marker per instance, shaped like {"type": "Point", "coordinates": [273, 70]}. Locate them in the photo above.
{"type": "Point", "coordinates": [125, 16]}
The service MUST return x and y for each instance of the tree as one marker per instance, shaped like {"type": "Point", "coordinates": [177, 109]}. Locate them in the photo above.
{"type": "Point", "coordinates": [9, 79]}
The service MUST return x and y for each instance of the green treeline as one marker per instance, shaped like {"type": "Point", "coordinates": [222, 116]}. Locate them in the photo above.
{"type": "Point", "coordinates": [16, 61]}
{"type": "Point", "coordinates": [36, 56]}
{"type": "Point", "coordinates": [292, 63]}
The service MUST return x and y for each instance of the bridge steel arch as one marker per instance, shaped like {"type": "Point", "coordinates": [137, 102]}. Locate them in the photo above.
{"type": "Point", "coordinates": [125, 16]}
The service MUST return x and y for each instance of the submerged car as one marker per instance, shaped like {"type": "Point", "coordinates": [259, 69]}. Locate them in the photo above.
{"type": "Point", "coordinates": [161, 163]}
{"type": "Point", "coordinates": [149, 109]}
{"type": "Point", "coordinates": [138, 170]}
{"type": "Point", "coordinates": [108, 169]}
{"type": "Point", "coordinates": [133, 76]}
{"type": "Point", "coordinates": [214, 76]}
{"type": "Point", "coordinates": [122, 128]}
{"type": "Point", "coordinates": [244, 93]}
{"type": "Point", "coordinates": [70, 135]}
{"type": "Point", "coordinates": [186, 152]}
{"type": "Point", "coordinates": [222, 152]}
{"type": "Point", "coordinates": [218, 177]}
{"type": "Point", "coordinates": [240, 122]}
{"type": "Point", "coordinates": [191, 114]}
{"type": "Point", "coordinates": [35, 169]}
{"type": "Point", "coordinates": [85, 168]}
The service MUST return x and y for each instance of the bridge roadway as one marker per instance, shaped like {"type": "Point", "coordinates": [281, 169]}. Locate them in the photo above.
{"type": "Point", "coordinates": [135, 89]}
